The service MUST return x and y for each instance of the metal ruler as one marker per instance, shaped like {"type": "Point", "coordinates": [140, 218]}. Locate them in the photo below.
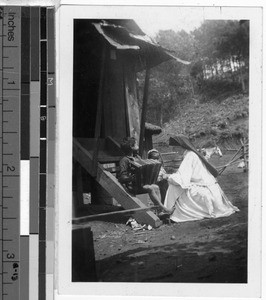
{"type": "Point", "coordinates": [27, 139]}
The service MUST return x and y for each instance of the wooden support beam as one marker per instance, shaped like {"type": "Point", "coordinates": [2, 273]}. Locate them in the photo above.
{"type": "Point", "coordinates": [173, 161]}
{"type": "Point", "coordinates": [111, 213]}
{"type": "Point", "coordinates": [79, 193]}
{"type": "Point", "coordinates": [83, 256]}
{"type": "Point", "coordinates": [83, 156]}
{"type": "Point", "coordinates": [98, 124]}
{"type": "Point", "coordinates": [169, 153]}
{"type": "Point", "coordinates": [110, 183]}
{"type": "Point", "coordinates": [144, 111]}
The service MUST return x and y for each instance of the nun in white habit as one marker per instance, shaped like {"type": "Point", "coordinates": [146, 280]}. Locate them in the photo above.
{"type": "Point", "coordinates": [193, 190]}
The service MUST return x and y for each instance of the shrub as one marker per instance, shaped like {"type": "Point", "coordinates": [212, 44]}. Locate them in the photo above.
{"type": "Point", "coordinates": [215, 121]}
{"type": "Point", "coordinates": [218, 89]}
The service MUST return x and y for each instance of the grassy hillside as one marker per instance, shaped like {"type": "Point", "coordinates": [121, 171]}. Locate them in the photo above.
{"type": "Point", "coordinates": [224, 123]}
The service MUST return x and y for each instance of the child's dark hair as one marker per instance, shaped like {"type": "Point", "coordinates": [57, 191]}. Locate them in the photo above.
{"type": "Point", "coordinates": [153, 154]}
{"type": "Point", "coordinates": [127, 144]}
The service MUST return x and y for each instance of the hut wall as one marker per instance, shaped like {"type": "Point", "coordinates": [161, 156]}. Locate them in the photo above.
{"type": "Point", "coordinates": [132, 106]}
{"type": "Point", "coordinates": [114, 108]}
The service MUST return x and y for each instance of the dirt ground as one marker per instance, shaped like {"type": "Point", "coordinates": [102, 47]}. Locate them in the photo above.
{"type": "Point", "coordinates": [209, 251]}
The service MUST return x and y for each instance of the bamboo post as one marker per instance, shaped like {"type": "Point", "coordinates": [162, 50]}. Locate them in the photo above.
{"type": "Point", "coordinates": [144, 111]}
{"type": "Point", "coordinates": [79, 183]}
{"type": "Point", "coordinates": [245, 151]}
{"type": "Point", "coordinates": [232, 160]}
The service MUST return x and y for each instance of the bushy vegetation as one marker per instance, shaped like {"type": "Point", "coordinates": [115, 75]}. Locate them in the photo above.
{"type": "Point", "coordinates": [218, 89]}
{"type": "Point", "coordinates": [218, 52]}
{"type": "Point", "coordinates": [207, 99]}
{"type": "Point", "coordinates": [210, 121]}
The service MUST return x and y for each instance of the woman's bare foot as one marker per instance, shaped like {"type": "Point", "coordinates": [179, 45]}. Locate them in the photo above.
{"type": "Point", "coordinates": [169, 210]}
{"type": "Point", "coordinates": [166, 213]}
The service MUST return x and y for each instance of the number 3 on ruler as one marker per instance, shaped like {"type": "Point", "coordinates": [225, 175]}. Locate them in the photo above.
{"type": "Point", "coordinates": [10, 256]}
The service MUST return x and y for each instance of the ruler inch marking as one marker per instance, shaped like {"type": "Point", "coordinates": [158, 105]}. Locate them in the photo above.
{"type": "Point", "coordinates": [10, 28]}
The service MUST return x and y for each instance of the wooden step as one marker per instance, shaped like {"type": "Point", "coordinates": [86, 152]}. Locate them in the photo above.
{"type": "Point", "coordinates": [110, 183]}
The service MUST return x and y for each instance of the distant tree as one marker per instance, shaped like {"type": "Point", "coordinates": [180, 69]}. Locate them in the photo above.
{"type": "Point", "coordinates": [222, 48]}
{"type": "Point", "coordinates": [170, 83]}
{"type": "Point", "coordinates": [218, 51]}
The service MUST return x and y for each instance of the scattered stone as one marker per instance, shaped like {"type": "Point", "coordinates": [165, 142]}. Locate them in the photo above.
{"type": "Point", "coordinates": [140, 242]}
{"type": "Point", "coordinates": [172, 237]}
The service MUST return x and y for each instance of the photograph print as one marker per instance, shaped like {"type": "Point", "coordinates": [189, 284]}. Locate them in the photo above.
{"type": "Point", "coordinates": [160, 179]}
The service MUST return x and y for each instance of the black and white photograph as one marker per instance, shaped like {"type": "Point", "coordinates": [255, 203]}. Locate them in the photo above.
{"type": "Point", "coordinates": [163, 108]}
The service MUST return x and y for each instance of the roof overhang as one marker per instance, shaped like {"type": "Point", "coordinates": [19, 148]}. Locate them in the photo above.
{"type": "Point", "coordinates": [121, 38]}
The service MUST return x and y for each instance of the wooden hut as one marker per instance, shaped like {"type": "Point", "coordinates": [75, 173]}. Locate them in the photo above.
{"type": "Point", "coordinates": [107, 56]}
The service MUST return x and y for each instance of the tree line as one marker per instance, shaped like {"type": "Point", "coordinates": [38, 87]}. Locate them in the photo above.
{"type": "Point", "coordinates": [219, 54]}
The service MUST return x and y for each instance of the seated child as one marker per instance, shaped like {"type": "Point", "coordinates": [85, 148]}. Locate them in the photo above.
{"type": "Point", "coordinates": [162, 181]}
{"type": "Point", "coordinates": [129, 146]}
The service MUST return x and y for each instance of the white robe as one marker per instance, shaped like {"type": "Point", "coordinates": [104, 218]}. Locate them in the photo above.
{"type": "Point", "coordinates": [195, 192]}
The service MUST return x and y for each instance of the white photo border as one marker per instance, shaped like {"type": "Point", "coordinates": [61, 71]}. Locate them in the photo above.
{"type": "Point", "coordinates": [65, 16]}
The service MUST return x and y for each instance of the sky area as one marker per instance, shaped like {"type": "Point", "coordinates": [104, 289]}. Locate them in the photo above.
{"type": "Point", "coordinates": [185, 18]}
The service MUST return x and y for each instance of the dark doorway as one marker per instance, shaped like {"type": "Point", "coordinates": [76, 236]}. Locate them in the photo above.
{"type": "Point", "coordinates": [87, 65]}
